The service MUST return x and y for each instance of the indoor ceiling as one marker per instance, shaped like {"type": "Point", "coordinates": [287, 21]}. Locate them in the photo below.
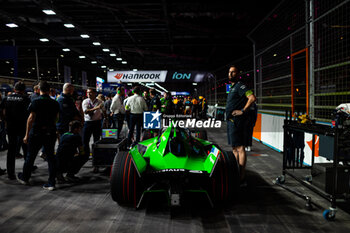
{"type": "Point", "coordinates": [158, 34]}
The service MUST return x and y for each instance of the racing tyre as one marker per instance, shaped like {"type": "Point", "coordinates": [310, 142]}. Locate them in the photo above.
{"type": "Point", "coordinates": [202, 134]}
{"type": "Point", "coordinates": [125, 182]}
{"type": "Point", "coordinates": [225, 179]}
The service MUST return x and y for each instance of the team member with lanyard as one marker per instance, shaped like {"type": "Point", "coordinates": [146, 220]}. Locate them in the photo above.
{"type": "Point", "coordinates": [238, 101]}
{"type": "Point", "coordinates": [41, 132]}
{"type": "Point", "coordinates": [92, 108]}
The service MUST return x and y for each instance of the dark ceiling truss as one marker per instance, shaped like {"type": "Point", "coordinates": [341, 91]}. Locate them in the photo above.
{"type": "Point", "coordinates": [165, 34]}
{"type": "Point", "coordinates": [44, 4]}
{"type": "Point", "coordinates": [19, 21]}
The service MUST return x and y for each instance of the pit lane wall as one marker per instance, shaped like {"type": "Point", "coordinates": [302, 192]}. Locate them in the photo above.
{"type": "Point", "coordinates": [269, 131]}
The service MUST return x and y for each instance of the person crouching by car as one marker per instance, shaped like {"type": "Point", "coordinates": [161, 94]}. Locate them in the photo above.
{"type": "Point", "coordinates": [70, 145]}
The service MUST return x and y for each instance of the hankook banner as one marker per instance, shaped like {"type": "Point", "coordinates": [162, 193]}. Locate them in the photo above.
{"type": "Point", "coordinates": [159, 76]}
{"type": "Point", "coordinates": [137, 76]}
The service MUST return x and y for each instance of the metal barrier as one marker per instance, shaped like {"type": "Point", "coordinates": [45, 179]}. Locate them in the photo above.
{"type": "Point", "coordinates": [335, 179]}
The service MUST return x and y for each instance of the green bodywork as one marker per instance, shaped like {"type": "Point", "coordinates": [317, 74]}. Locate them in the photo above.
{"type": "Point", "coordinates": [154, 154]}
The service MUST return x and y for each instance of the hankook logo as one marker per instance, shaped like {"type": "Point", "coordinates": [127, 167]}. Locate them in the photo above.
{"type": "Point", "coordinates": [136, 76]}
{"type": "Point", "coordinates": [118, 76]}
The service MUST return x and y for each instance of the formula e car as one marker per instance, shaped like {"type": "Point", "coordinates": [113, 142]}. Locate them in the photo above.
{"type": "Point", "coordinates": [174, 162]}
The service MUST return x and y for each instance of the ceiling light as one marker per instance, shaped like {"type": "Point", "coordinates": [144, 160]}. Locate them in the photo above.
{"type": "Point", "coordinates": [93, 62]}
{"type": "Point", "coordinates": [112, 54]}
{"type": "Point", "coordinates": [96, 43]}
{"type": "Point", "coordinates": [33, 68]}
{"type": "Point", "coordinates": [66, 50]}
{"type": "Point", "coordinates": [84, 36]}
{"type": "Point", "coordinates": [275, 55]}
{"type": "Point", "coordinates": [44, 40]}
{"type": "Point", "coordinates": [119, 59]}
{"type": "Point", "coordinates": [111, 69]}
{"type": "Point", "coordinates": [7, 62]}
{"type": "Point", "coordinates": [103, 67]}
{"type": "Point", "coordinates": [81, 57]}
{"type": "Point", "coordinates": [194, 84]}
{"type": "Point", "coordinates": [12, 25]}
{"type": "Point", "coordinates": [49, 12]}
{"type": "Point", "coordinates": [69, 25]}
{"type": "Point", "coordinates": [62, 55]}
{"type": "Point", "coordinates": [134, 70]}
{"type": "Point", "coordinates": [105, 50]}
{"type": "Point", "coordinates": [124, 62]}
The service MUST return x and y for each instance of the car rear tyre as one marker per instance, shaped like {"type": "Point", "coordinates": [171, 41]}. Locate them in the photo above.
{"type": "Point", "coordinates": [225, 179]}
{"type": "Point", "coordinates": [125, 182]}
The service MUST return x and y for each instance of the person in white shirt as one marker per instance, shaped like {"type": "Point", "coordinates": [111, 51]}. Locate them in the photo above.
{"type": "Point", "coordinates": [92, 108]}
{"type": "Point", "coordinates": [118, 110]}
{"type": "Point", "coordinates": [136, 104]}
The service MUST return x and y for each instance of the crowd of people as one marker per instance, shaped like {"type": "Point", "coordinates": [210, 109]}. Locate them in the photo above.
{"type": "Point", "coordinates": [34, 123]}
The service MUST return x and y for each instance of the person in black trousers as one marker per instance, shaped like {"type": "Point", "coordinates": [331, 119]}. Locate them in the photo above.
{"type": "Point", "coordinates": [41, 132]}
{"type": "Point", "coordinates": [15, 109]}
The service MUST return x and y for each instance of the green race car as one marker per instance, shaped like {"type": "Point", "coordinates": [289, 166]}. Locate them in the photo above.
{"type": "Point", "coordinates": [174, 162]}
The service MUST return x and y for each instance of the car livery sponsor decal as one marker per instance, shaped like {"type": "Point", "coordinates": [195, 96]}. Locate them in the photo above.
{"type": "Point", "coordinates": [214, 153]}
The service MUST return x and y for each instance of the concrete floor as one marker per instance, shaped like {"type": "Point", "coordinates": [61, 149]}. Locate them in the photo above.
{"type": "Point", "coordinates": [88, 207]}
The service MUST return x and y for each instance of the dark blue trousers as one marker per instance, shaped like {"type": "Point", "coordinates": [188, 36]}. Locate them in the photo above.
{"type": "Point", "coordinates": [47, 140]}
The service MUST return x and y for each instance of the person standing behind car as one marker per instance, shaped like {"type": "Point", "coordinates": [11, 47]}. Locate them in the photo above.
{"type": "Point", "coordinates": [15, 110]}
{"type": "Point", "coordinates": [68, 111]}
{"type": "Point", "coordinates": [109, 114]}
{"type": "Point", "coordinates": [118, 110]}
{"type": "Point", "coordinates": [41, 132]}
{"type": "Point", "coordinates": [92, 108]}
{"type": "Point", "coordinates": [137, 106]}
{"type": "Point", "coordinates": [155, 103]}
{"type": "Point", "coordinates": [238, 102]}
{"type": "Point", "coordinates": [127, 112]}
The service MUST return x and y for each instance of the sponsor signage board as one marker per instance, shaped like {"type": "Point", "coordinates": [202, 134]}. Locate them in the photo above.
{"type": "Point", "coordinates": [137, 76]}
{"type": "Point", "coordinates": [189, 76]}
{"type": "Point", "coordinates": [158, 76]}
